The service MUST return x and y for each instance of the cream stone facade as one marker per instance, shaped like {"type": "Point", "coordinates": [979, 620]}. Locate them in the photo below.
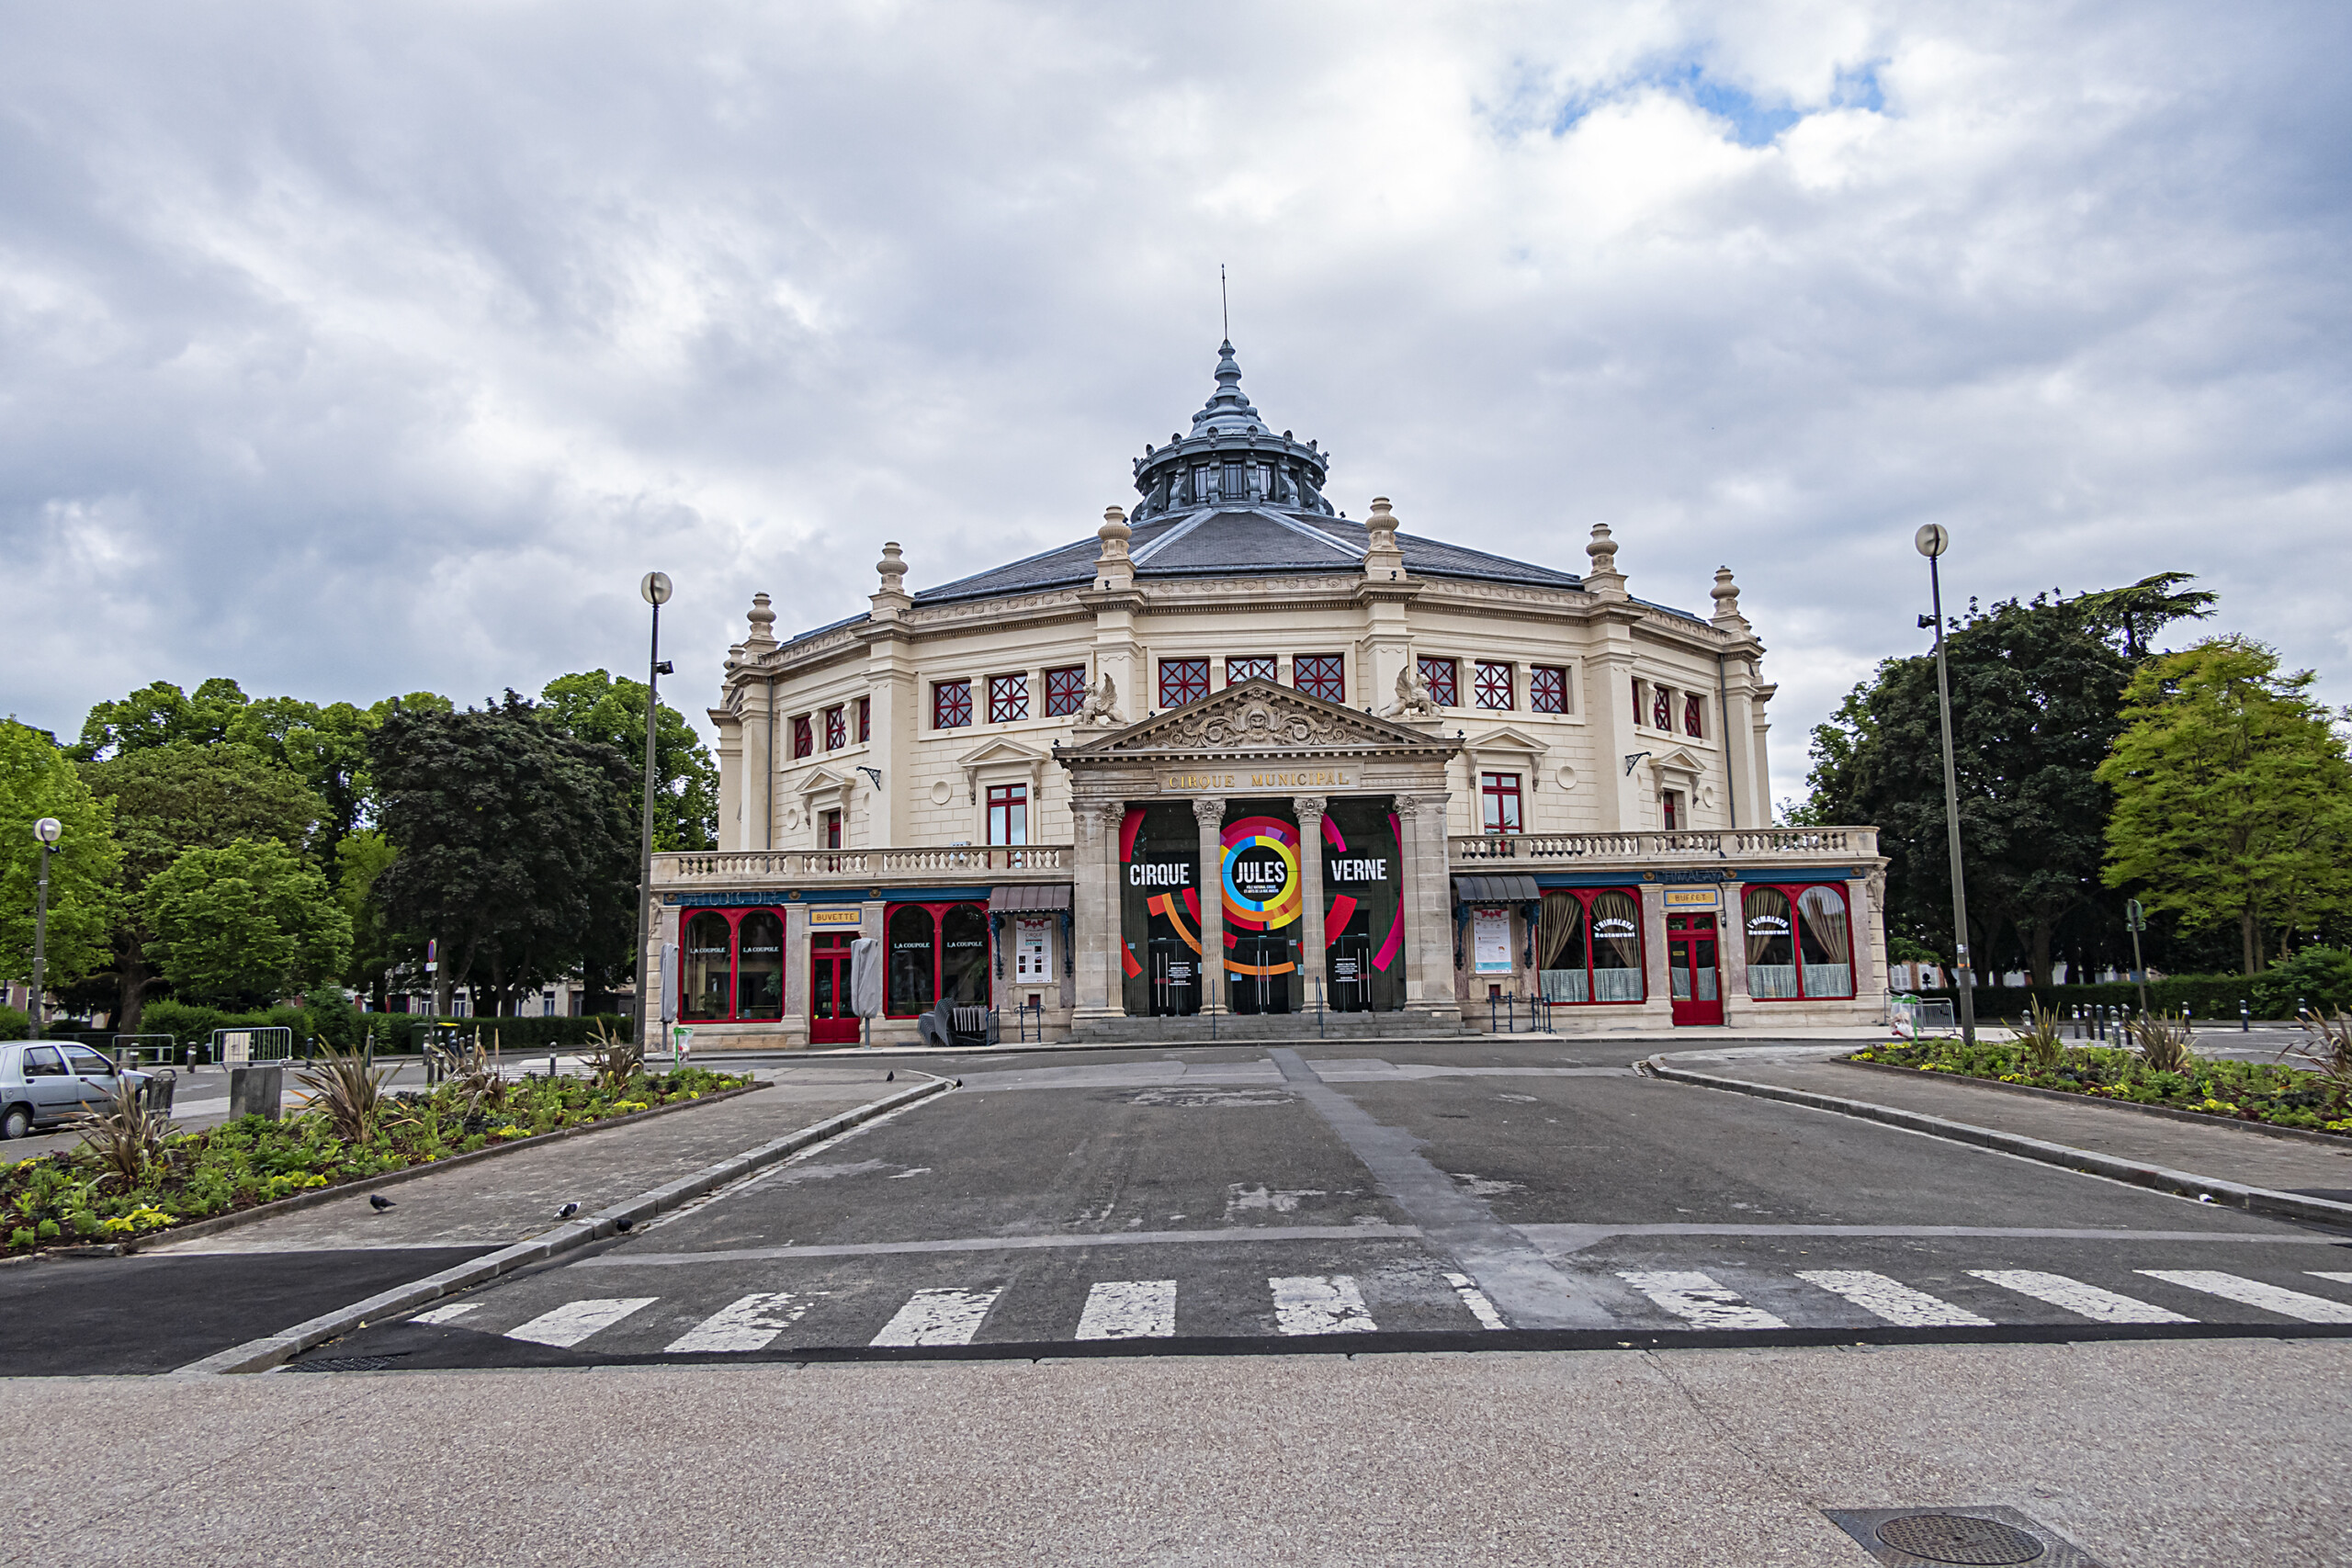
{"type": "Point", "coordinates": [1420, 777]}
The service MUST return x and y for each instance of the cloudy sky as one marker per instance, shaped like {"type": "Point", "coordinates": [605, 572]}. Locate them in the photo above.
{"type": "Point", "coordinates": [352, 349]}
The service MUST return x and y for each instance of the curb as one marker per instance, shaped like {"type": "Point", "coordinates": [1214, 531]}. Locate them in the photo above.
{"type": "Point", "coordinates": [272, 1350]}
{"type": "Point", "coordinates": [318, 1195]}
{"type": "Point", "coordinates": [2180, 1183]}
{"type": "Point", "coordinates": [2335, 1141]}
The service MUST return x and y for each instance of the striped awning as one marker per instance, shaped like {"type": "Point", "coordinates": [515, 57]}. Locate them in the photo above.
{"type": "Point", "coordinates": [1016, 898]}
{"type": "Point", "coordinates": [1496, 890]}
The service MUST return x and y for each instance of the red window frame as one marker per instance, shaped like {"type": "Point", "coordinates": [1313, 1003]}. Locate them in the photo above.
{"type": "Point", "coordinates": [1670, 810]}
{"type": "Point", "coordinates": [951, 705]}
{"type": "Point", "coordinates": [1183, 681]}
{"type": "Point", "coordinates": [1793, 892]}
{"type": "Point", "coordinates": [1693, 719]}
{"type": "Point", "coordinates": [1498, 804]}
{"type": "Point", "coordinates": [1662, 709]}
{"type": "Point", "coordinates": [1321, 675]}
{"type": "Point", "coordinates": [1493, 684]}
{"type": "Point", "coordinates": [939, 910]}
{"type": "Point", "coordinates": [1065, 690]}
{"type": "Point", "coordinates": [1008, 698]}
{"type": "Point", "coordinates": [734, 919]}
{"type": "Point", "coordinates": [836, 728]}
{"type": "Point", "coordinates": [1444, 678]}
{"type": "Point", "coordinates": [804, 736]}
{"type": "Point", "coordinates": [1585, 898]}
{"type": "Point", "coordinates": [1547, 688]}
{"type": "Point", "coordinates": [1637, 705]}
{"type": "Point", "coordinates": [1249, 667]}
{"type": "Point", "coordinates": [1004, 800]}
{"type": "Point", "coordinates": [831, 831]}
{"type": "Point", "coordinates": [865, 720]}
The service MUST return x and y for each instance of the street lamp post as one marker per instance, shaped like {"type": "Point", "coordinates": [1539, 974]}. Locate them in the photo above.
{"type": "Point", "coordinates": [49, 829]}
{"type": "Point", "coordinates": [656, 591]}
{"type": "Point", "coordinates": [1931, 541]}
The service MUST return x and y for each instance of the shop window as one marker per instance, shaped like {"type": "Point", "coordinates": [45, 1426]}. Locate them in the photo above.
{"type": "Point", "coordinates": [936, 950]}
{"type": "Point", "coordinates": [1008, 698]}
{"type": "Point", "coordinates": [951, 705]}
{"type": "Point", "coordinates": [836, 728]}
{"type": "Point", "coordinates": [1692, 716]}
{"type": "Point", "coordinates": [1662, 709]}
{"type": "Point", "coordinates": [732, 966]}
{"type": "Point", "coordinates": [828, 833]}
{"type": "Point", "coordinates": [1798, 943]}
{"type": "Point", "coordinates": [1008, 814]}
{"type": "Point", "coordinates": [804, 736]}
{"type": "Point", "coordinates": [1589, 942]}
{"type": "Point", "coordinates": [865, 720]}
{"type": "Point", "coordinates": [1444, 678]}
{"type": "Point", "coordinates": [1065, 690]}
{"type": "Point", "coordinates": [1183, 681]}
{"type": "Point", "coordinates": [1257, 667]}
{"type": "Point", "coordinates": [1499, 799]}
{"type": "Point", "coordinates": [1493, 684]}
{"type": "Point", "coordinates": [1320, 675]}
{"type": "Point", "coordinates": [1547, 688]}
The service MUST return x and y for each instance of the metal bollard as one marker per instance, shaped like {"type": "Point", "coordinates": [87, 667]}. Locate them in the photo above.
{"type": "Point", "coordinates": [2245, 1018]}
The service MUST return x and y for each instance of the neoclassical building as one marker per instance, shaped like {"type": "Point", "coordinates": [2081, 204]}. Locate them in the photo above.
{"type": "Point", "coordinates": [1387, 782]}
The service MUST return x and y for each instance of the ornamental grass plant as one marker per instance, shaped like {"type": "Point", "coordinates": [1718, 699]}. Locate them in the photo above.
{"type": "Point", "coordinates": [139, 1177]}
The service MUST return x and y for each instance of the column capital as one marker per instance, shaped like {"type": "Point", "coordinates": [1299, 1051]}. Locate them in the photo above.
{"type": "Point", "coordinates": [1208, 810]}
{"type": "Point", "coordinates": [1309, 809]}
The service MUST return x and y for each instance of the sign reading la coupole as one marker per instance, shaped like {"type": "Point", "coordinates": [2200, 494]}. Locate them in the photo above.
{"type": "Point", "coordinates": [1202, 783]}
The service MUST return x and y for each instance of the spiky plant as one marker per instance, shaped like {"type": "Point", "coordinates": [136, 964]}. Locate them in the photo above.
{"type": "Point", "coordinates": [125, 1140]}
{"type": "Point", "coordinates": [348, 1090]}
{"type": "Point", "coordinates": [613, 1058]}
{"type": "Point", "coordinates": [2164, 1040]}
{"type": "Point", "coordinates": [2040, 1038]}
{"type": "Point", "coordinates": [2327, 1047]}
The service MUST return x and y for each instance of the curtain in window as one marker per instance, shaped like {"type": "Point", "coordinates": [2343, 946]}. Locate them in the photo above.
{"type": "Point", "coordinates": [759, 967]}
{"type": "Point", "coordinates": [1561, 940]}
{"type": "Point", "coordinates": [1771, 952]}
{"type": "Point", "coordinates": [1829, 960]}
{"type": "Point", "coordinates": [1616, 947]}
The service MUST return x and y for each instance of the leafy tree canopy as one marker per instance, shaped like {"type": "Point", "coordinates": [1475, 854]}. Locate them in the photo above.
{"type": "Point", "coordinates": [2232, 795]}
{"type": "Point", "coordinates": [160, 714]}
{"type": "Point", "coordinates": [251, 922]}
{"type": "Point", "coordinates": [515, 848]}
{"type": "Point", "coordinates": [36, 780]}
{"type": "Point", "coordinates": [597, 706]}
{"type": "Point", "coordinates": [360, 859]}
{"type": "Point", "coordinates": [183, 796]}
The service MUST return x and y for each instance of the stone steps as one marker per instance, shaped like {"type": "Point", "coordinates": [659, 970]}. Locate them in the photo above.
{"type": "Point", "coordinates": [1242, 1027]}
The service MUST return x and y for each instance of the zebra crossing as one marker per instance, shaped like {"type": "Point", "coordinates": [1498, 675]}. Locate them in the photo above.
{"type": "Point", "coordinates": [1336, 1304]}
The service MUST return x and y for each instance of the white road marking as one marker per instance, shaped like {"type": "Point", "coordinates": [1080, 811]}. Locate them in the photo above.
{"type": "Point", "coordinates": [2329, 1274]}
{"type": "Point", "coordinates": [2086, 1300]}
{"type": "Point", "coordinates": [1891, 1300]}
{"type": "Point", "coordinates": [1129, 1309]}
{"type": "Point", "coordinates": [446, 1313]}
{"type": "Point", "coordinates": [938, 1317]}
{"type": "Point", "coordinates": [2254, 1293]}
{"type": "Point", "coordinates": [1319, 1303]}
{"type": "Point", "coordinates": [575, 1321]}
{"type": "Point", "coordinates": [746, 1323]}
{"type": "Point", "coordinates": [1694, 1296]}
{"type": "Point", "coordinates": [1475, 1299]}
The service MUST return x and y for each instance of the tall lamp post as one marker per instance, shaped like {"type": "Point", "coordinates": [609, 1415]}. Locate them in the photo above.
{"type": "Point", "coordinates": [656, 590]}
{"type": "Point", "coordinates": [49, 829]}
{"type": "Point", "coordinates": [1932, 540]}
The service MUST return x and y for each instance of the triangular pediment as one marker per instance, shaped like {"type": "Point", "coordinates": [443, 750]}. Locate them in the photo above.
{"type": "Point", "coordinates": [999, 750]}
{"type": "Point", "coordinates": [1507, 737]}
{"type": "Point", "coordinates": [1677, 759]}
{"type": "Point", "coordinates": [1260, 718]}
{"type": "Point", "coordinates": [823, 779]}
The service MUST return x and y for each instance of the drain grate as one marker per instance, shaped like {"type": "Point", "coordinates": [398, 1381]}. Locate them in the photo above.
{"type": "Point", "coordinates": [1923, 1538]}
{"type": "Point", "coordinates": [1957, 1537]}
{"type": "Point", "coordinates": [350, 1364]}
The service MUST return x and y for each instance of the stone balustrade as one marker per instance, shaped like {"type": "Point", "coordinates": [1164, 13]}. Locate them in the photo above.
{"type": "Point", "coordinates": [1016, 862]}
{"type": "Point", "coordinates": [1747, 845]}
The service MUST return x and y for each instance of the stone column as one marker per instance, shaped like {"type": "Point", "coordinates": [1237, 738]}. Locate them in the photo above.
{"type": "Point", "coordinates": [1209, 812]}
{"type": "Point", "coordinates": [1408, 835]}
{"type": "Point", "coordinates": [795, 1022]}
{"type": "Point", "coordinates": [1311, 965]}
{"type": "Point", "coordinates": [1094, 911]}
{"type": "Point", "coordinates": [1431, 889]}
{"type": "Point", "coordinates": [1731, 932]}
{"type": "Point", "coordinates": [1656, 983]}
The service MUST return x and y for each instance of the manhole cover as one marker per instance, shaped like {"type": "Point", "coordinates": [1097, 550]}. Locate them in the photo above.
{"type": "Point", "coordinates": [1956, 1537]}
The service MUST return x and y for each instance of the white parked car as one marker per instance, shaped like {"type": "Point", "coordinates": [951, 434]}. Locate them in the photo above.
{"type": "Point", "coordinates": [44, 1082]}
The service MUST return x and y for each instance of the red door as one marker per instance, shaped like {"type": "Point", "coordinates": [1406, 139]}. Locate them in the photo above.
{"type": "Point", "coordinates": [1691, 955]}
{"type": "Point", "coordinates": [830, 1020]}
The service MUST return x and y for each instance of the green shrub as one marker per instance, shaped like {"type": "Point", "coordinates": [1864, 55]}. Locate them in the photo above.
{"type": "Point", "coordinates": [15, 1025]}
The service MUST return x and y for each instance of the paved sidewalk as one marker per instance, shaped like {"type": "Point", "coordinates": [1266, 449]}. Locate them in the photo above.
{"type": "Point", "coordinates": [2151, 1455]}
{"type": "Point", "coordinates": [491, 1202]}
{"type": "Point", "coordinates": [2227, 1153]}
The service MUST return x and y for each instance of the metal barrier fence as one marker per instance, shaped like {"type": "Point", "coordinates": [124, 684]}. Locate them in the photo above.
{"type": "Point", "coordinates": [1918, 1016]}
{"type": "Point", "coordinates": [242, 1047]}
{"type": "Point", "coordinates": [143, 1050]}
{"type": "Point", "coordinates": [1504, 1013]}
{"type": "Point", "coordinates": [1029, 1023]}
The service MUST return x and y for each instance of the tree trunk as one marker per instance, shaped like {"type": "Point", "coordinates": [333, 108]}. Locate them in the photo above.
{"type": "Point", "coordinates": [2248, 951]}
{"type": "Point", "coordinates": [2038, 955]}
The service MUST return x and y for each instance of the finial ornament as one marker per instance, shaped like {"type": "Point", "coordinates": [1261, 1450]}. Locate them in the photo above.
{"type": "Point", "coordinates": [892, 568]}
{"type": "Point", "coordinates": [1604, 581]}
{"type": "Point", "coordinates": [1114, 532]}
{"type": "Point", "coordinates": [763, 619]}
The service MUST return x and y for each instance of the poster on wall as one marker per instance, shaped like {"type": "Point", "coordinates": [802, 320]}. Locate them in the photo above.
{"type": "Point", "coordinates": [1490, 941]}
{"type": "Point", "coordinates": [1030, 965]}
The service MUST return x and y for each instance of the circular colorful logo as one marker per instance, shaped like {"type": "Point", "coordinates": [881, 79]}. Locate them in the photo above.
{"type": "Point", "coordinates": [1262, 890]}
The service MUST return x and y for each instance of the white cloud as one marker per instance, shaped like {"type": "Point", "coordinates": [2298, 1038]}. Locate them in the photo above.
{"type": "Point", "coordinates": [349, 351]}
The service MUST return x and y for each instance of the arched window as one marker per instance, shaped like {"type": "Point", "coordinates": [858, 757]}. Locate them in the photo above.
{"type": "Point", "coordinates": [759, 967]}
{"type": "Point", "coordinates": [1590, 944]}
{"type": "Point", "coordinates": [1566, 969]}
{"type": "Point", "coordinates": [964, 955]}
{"type": "Point", "coordinates": [1822, 939]}
{"type": "Point", "coordinates": [1771, 946]}
{"type": "Point", "coordinates": [937, 950]}
{"type": "Point", "coordinates": [1616, 947]}
{"type": "Point", "coordinates": [1800, 942]}
{"type": "Point", "coordinates": [707, 979]}
{"type": "Point", "coordinates": [914, 961]}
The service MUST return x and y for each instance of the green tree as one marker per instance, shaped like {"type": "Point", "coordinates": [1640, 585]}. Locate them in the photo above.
{"type": "Point", "coordinates": [2232, 795]}
{"type": "Point", "coordinates": [515, 850]}
{"type": "Point", "coordinates": [181, 796]}
{"type": "Point", "coordinates": [38, 779]}
{"type": "Point", "coordinates": [360, 860]}
{"type": "Point", "coordinates": [2036, 690]}
{"type": "Point", "coordinates": [596, 707]}
{"type": "Point", "coordinates": [249, 923]}
{"type": "Point", "coordinates": [160, 714]}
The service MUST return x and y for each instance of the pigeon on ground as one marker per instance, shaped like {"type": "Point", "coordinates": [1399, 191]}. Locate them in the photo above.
{"type": "Point", "coordinates": [959, 1083]}
{"type": "Point", "coordinates": [379, 1202]}
{"type": "Point", "coordinates": [888, 1075]}
{"type": "Point", "coordinates": [567, 1210]}
{"type": "Point", "coordinates": [624, 1225]}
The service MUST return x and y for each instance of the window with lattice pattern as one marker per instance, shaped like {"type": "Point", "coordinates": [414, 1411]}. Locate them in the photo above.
{"type": "Point", "coordinates": [1547, 688]}
{"type": "Point", "coordinates": [804, 736]}
{"type": "Point", "coordinates": [865, 719]}
{"type": "Point", "coordinates": [1008, 698]}
{"type": "Point", "coordinates": [1065, 690]}
{"type": "Point", "coordinates": [1183, 681]}
{"type": "Point", "coordinates": [1694, 717]}
{"type": "Point", "coordinates": [1493, 684]}
{"type": "Point", "coordinates": [1661, 708]}
{"type": "Point", "coordinates": [836, 728]}
{"type": "Point", "coordinates": [951, 705]}
{"type": "Point", "coordinates": [1444, 678]}
{"type": "Point", "coordinates": [1257, 667]}
{"type": "Point", "coordinates": [1320, 675]}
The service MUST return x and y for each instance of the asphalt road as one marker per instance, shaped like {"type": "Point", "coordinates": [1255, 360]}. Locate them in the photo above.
{"type": "Point", "coordinates": [1487, 1193]}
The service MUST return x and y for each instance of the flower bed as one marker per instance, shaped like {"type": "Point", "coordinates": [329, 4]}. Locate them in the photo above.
{"type": "Point", "coordinates": [2244, 1091]}
{"type": "Point", "coordinates": [67, 1197]}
